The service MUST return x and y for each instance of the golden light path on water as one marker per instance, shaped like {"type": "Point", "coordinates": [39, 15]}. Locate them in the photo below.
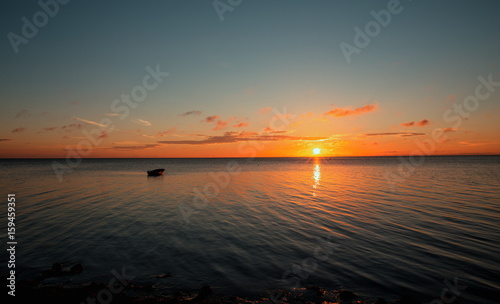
{"type": "Point", "coordinates": [316, 175]}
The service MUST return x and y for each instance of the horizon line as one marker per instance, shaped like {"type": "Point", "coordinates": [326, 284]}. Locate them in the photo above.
{"type": "Point", "coordinates": [234, 157]}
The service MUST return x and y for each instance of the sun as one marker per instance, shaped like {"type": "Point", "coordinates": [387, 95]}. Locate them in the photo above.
{"type": "Point", "coordinates": [316, 151]}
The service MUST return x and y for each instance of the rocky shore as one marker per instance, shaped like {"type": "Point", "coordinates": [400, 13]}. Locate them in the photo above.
{"type": "Point", "coordinates": [121, 290]}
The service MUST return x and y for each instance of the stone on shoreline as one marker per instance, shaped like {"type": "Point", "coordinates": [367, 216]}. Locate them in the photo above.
{"type": "Point", "coordinates": [346, 295]}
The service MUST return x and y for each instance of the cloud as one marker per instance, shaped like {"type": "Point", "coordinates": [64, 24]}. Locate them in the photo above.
{"type": "Point", "coordinates": [240, 133]}
{"type": "Point", "coordinates": [159, 134]}
{"type": "Point", "coordinates": [423, 122]}
{"type": "Point", "coordinates": [394, 133]}
{"type": "Point", "coordinates": [445, 130]}
{"type": "Point", "coordinates": [75, 126]}
{"type": "Point", "coordinates": [65, 128]}
{"type": "Point", "coordinates": [142, 122]}
{"type": "Point", "coordinates": [196, 113]}
{"type": "Point", "coordinates": [6, 139]}
{"type": "Point", "coordinates": [211, 118]}
{"type": "Point", "coordinates": [113, 114]}
{"type": "Point", "coordinates": [221, 124]}
{"type": "Point", "coordinates": [104, 134]}
{"type": "Point", "coordinates": [408, 124]}
{"type": "Point", "coordinates": [272, 131]}
{"type": "Point", "coordinates": [241, 125]}
{"type": "Point", "coordinates": [473, 144]}
{"type": "Point", "coordinates": [233, 137]}
{"type": "Point", "coordinates": [89, 122]}
{"type": "Point", "coordinates": [18, 130]}
{"type": "Point", "coordinates": [169, 131]}
{"type": "Point", "coordinates": [265, 110]}
{"type": "Point", "coordinates": [137, 147]}
{"type": "Point", "coordinates": [22, 113]}
{"type": "Point", "coordinates": [341, 112]}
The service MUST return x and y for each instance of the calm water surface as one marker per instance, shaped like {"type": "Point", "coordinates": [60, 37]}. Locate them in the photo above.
{"type": "Point", "coordinates": [251, 226]}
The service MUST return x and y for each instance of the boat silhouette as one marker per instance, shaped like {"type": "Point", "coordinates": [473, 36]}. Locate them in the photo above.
{"type": "Point", "coordinates": [156, 172]}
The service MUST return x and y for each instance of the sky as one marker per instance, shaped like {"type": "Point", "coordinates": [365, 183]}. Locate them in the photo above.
{"type": "Point", "coordinates": [241, 78]}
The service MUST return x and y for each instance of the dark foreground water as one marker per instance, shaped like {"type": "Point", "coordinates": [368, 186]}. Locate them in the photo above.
{"type": "Point", "coordinates": [248, 226]}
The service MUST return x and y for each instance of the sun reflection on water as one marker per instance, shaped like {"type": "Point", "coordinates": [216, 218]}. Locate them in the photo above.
{"type": "Point", "coordinates": [316, 176]}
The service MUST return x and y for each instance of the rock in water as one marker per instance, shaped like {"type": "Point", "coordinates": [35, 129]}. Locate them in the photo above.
{"type": "Point", "coordinates": [407, 300]}
{"type": "Point", "coordinates": [347, 295]}
{"type": "Point", "coordinates": [205, 293]}
{"type": "Point", "coordinates": [76, 269]}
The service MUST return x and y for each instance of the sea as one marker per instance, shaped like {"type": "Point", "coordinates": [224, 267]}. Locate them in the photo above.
{"type": "Point", "coordinates": [377, 226]}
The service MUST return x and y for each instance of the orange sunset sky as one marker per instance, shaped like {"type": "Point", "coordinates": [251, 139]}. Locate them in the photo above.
{"type": "Point", "coordinates": [172, 79]}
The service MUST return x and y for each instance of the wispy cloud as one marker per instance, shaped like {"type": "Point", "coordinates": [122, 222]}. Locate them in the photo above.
{"type": "Point", "coordinates": [221, 124]}
{"type": "Point", "coordinates": [72, 126]}
{"type": "Point", "coordinates": [18, 130]}
{"type": "Point", "coordinates": [196, 113]}
{"type": "Point", "coordinates": [167, 132]}
{"type": "Point", "coordinates": [473, 144]}
{"type": "Point", "coordinates": [6, 139]}
{"type": "Point", "coordinates": [142, 122]}
{"type": "Point", "coordinates": [395, 133]}
{"type": "Point", "coordinates": [211, 118]}
{"type": "Point", "coordinates": [241, 125]}
{"type": "Point", "coordinates": [104, 134]}
{"type": "Point", "coordinates": [113, 114]}
{"type": "Point", "coordinates": [233, 137]}
{"type": "Point", "coordinates": [270, 130]}
{"type": "Point", "coordinates": [423, 122]}
{"type": "Point", "coordinates": [341, 112]}
{"type": "Point", "coordinates": [22, 113]}
{"type": "Point", "coordinates": [65, 128]}
{"type": "Point", "coordinates": [408, 124]}
{"type": "Point", "coordinates": [159, 134]}
{"type": "Point", "coordinates": [135, 147]}
{"type": "Point", "coordinates": [89, 122]}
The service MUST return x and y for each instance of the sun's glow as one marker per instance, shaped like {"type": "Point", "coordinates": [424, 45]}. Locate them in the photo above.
{"type": "Point", "coordinates": [316, 151]}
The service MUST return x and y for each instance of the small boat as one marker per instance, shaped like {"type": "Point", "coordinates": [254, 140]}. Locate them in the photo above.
{"type": "Point", "coordinates": [156, 172]}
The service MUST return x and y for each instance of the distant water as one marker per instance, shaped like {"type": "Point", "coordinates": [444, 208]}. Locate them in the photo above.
{"type": "Point", "coordinates": [440, 223]}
